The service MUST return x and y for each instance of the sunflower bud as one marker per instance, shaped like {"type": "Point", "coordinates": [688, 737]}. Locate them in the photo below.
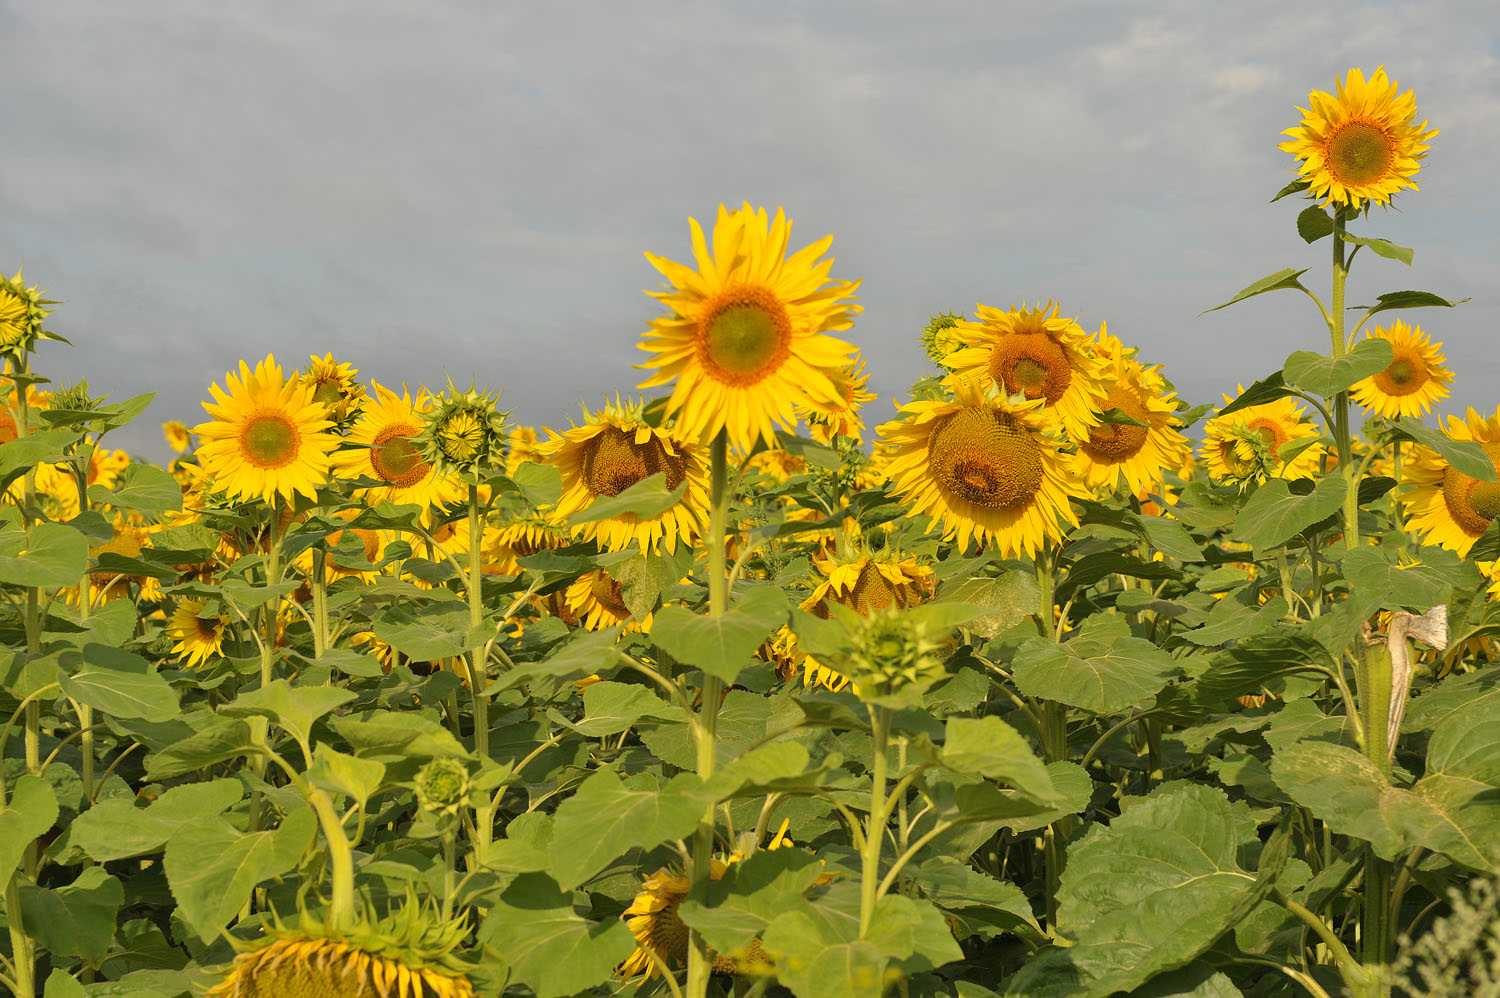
{"type": "Point", "coordinates": [464, 433]}
{"type": "Point", "coordinates": [940, 336]}
{"type": "Point", "coordinates": [72, 399]}
{"type": "Point", "coordinates": [892, 654]}
{"type": "Point", "coordinates": [22, 311]}
{"type": "Point", "coordinates": [442, 787]}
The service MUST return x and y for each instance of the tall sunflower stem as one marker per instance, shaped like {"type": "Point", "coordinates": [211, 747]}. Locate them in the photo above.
{"type": "Point", "coordinates": [273, 605]}
{"type": "Point", "coordinates": [341, 859]}
{"type": "Point", "coordinates": [699, 963]}
{"type": "Point", "coordinates": [1342, 436]}
{"type": "Point", "coordinates": [320, 601]}
{"type": "Point", "coordinates": [478, 675]}
{"type": "Point", "coordinates": [869, 879]}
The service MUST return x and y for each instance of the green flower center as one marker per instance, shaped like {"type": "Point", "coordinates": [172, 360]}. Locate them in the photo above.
{"type": "Point", "coordinates": [269, 440]}
{"type": "Point", "coordinates": [1359, 153]}
{"type": "Point", "coordinates": [745, 336]}
{"type": "Point", "coordinates": [395, 459]}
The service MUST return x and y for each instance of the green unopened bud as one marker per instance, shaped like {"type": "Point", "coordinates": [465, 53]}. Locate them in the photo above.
{"type": "Point", "coordinates": [442, 787]}
{"type": "Point", "coordinates": [891, 652]}
{"type": "Point", "coordinates": [464, 433]}
{"type": "Point", "coordinates": [940, 336]}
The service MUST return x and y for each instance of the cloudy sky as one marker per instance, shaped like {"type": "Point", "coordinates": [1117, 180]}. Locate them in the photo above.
{"type": "Point", "coordinates": [428, 188]}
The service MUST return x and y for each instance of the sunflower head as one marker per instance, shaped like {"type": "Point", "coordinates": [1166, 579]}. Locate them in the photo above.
{"type": "Point", "coordinates": [72, 405]}
{"type": "Point", "coordinates": [891, 655]}
{"type": "Point", "coordinates": [1271, 440]}
{"type": "Point", "coordinates": [177, 435]}
{"type": "Point", "coordinates": [412, 951]}
{"type": "Point", "coordinates": [521, 447]}
{"type": "Point", "coordinates": [1361, 144]}
{"type": "Point", "coordinates": [22, 312]}
{"type": "Point", "coordinates": [1448, 507]}
{"type": "Point", "coordinates": [940, 336]}
{"type": "Point", "coordinates": [196, 636]}
{"type": "Point", "coordinates": [336, 385]}
{"type": "Point", "coordinates": [464, 433]}
{"type": "Point", "coordinates": [442, 787]}
{"type": "Point", "coordinates": [1415, 379]}
{"type": "Point", "coordinates": [1136, 454]}
{"type": "Point", "coordinates": [830, 421]}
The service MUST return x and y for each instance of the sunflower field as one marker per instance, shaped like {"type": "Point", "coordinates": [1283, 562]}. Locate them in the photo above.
{"type": "Point", "coordinates": [1023, 692]}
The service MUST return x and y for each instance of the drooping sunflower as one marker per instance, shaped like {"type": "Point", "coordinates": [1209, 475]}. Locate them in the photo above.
{"type": "Point", "coordinates": [985, 467]}
{"type": "Point", "coordinates": [521, 538]}
{"type": "Point", "coordinates": [267, 439]}
{"type": "Point", "coordinates": [388, 453]}
{"type": "Point", "coordinates": [1254, 443]}
{"type": "Point", "coordinates": [1361, 144]}
{"type": "Point", "coordinates": [1448, 507]}
{"type": "Point", "coordinates": [612, 450]}
{"type": "Point", "coordinates": [1415, 379]}
{"type": "Point", "coordinates": [1140, 455]}
{"type": "Point", "coordinates": [827, 421]}
{"type": "Point", "coordinates": [596, 601]}
{"type": "Point", "coordinates": [1037, 353]}
{"type": "Point", "coordinates": [335, 384]}
{"type": "Point", "coordinates": [745, 338]}
{"type": "Point", "coordinates": [195, 636]}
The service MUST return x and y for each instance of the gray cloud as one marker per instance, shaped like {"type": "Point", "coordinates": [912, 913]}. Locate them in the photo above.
{"type": "Point", "coordinates": [467, 188]}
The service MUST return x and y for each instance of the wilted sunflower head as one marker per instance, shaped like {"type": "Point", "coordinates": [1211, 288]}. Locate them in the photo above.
{"type": "Point", "coordinates": [463, 433]}
{"type": "Point", "coordinates": [336, 385]}
{"type": "Point", "coordinates": [22, 311]}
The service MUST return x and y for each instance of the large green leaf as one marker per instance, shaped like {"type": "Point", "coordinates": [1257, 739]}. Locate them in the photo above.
{"type": "Point", "coordinates": [1273, 515]}
{"type": "Point", "coordinates": [609, 708]}
{"type": "Point", "coordinates": [1313, 223]}
{"type": "Point", "coordinates": [1408, 299]}
{"type": "Point", "coordinates": [549, 947]}
{"type": "Point", "coordinates": [295, 708]}
{"type": "Point", "coordinates": [1376, 574]}
{"type": "Point", "coordinates": [751, 895]}
{"type": "Point", "coordinates": [219, 739]}
{"type": "Point", "coordinates": [212, 866]}
{"type": "Point", "coordinates": [145, 489]}
{"type": "Point", "coordinates": [646, 498]}
{"type": "Point", "coordinates": [1007, 599]}
{"type": "Point", "coordinates": [50, 554]}
{"type": "Point", "coordinates": [1268, 389]}
{"type": "Point", "coordinates": [117, 829]}
{"type": "Point", "coordinates": [721, 645]}
{"type": "Point", "coordinates": [118, 683]}
{"type": "Point", "coordinates": [606, 818]}
{"type": "Point", "coordinates": [1327, 376]}
{"type": "Point", "coordinates": [1281, 280]}
{"type": "Point", "coordinates": [76, 920]}
{"type": "Point", "coordinates": [581, 655]}
{"type": "Point", "coordinates": [1380, 247]}
{"type": "Point", "coordinates": [1097, 671]}
{"type": "Point", "coordinates": [427, 633]}
{"type": "Point", "coordinates": [993, 749]}
{"type": "Point", "coordinates": [31, 810]}
{"type": "Point", "coordinates": [985, 905]}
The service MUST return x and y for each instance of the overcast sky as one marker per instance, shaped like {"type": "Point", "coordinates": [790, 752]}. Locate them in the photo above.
{"type": "Point", "coordinates": [426, 188]}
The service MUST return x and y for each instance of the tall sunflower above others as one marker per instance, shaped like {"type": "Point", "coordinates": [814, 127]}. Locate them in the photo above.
{"type": "Point", "coordinates": [745, 338]}
{"type": "Point", "coordinates": [1361, 144]}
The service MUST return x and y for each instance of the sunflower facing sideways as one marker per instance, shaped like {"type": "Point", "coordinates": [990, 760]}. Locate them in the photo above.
{"type": "Point", "coordinates": [614, 449]}
{"type": "Point", "coordinates": [334, 383]}
{"type": "Point", "coordinates": [195, 636]}
{"type": "Point", "coordinates": [1361, 144]}
{"type": "Point", "coordinates": [387, 453]}
{"type": "Point", "coordinates": [1037, 353]}
{"type": "Point", "coordinates": [268, 438]}
{"type": "Point", "coordinates": [744, 341]}
{"type": "Point", "coordinates": [1260, 442]}
{"type": "Point", "coordinates": [1140, 455]}
{"type": "Point", "coordinates": [987, 468]}
{"type": "Point", "coordinates": [1449, 508]}
{"type": "Point", "coordinates": [826, 421]}
{"type": "Point", "coordinates": [1415, 379]}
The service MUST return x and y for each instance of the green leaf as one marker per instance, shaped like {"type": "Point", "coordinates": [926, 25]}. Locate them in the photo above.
{"type": "Point", "coordinates": [607, 818]}
{"type": "Point", "coordinates": [1007, 599]}
{"type": "Point", "coordinates": [722, 645]}
{"type": "Point", "coordinates": [117, 829]}
{"type": "Point", "coordinates": [1267, 389]}
{"type": "Point", "coordinates": [31, 811]}
{"type": "Point", "coordinates": [1171, 538]}
{"type": "Point", "coordinates": [993, 749]}
{"type": "Point", "coordinates": [145, 489]}
{"type": "Point", "coordinates": [751, 895]}
{"type": "Point", "coordinates": [76, 920]}
{"type": "Point", "coordinates": [541, 484]}
{"type": "Point", "coordinates": [60, 984]}
{"type": "Point", "coordinates": [582, 655]}
{"type": "Point", "coordinates": [21, 455]}
{"type": "Point", "coordinates": [1380, 247]}
{"type": "Point", "coordinates": [1096, 672]}
{"type": "Point", "coordinates": [1282, 279]}
{"type": "Point", "coordinates": [427, 633]}
{"type": "Point", "coordinates": [1375, 574]}
{"type": "Point", "coordinates": [221, 738]}
{"type": "Point", "coordinates": [294, 708]}
{"type": "Point", "coordinates": [1466, 456]}
{"type": "Point", "coordinates": [346, 774]}
{"type": "Point", "coordinates": [212, 866]}
{"type": "Point", "coordinates": [1313, 224]}
{"type": "Point", "coordinates": [1408, 299]}
{"type": "Point", "coordinates": [117, 682]}
{"type": "Point", "coordinates": [1273, 515]}
{"type": "Point", "coordinates": [549, 947]}
{"type": "Point", "coordinates": [986, 906]}
{"type": "Point", "coordinates": [645, 499]}
{"type": "Point", "coordinates": [1327, 376]}
{"type": "Point", "coordinates": [1295, 187]}
{"type": "Point", "coordinates": [50, 554]}
{"type": "Point", "coordinates": [609, 708]}
{"type": "Point", "coordinates": [396, 735]}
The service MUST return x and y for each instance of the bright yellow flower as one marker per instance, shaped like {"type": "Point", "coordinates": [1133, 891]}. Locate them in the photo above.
{"type": "Point", "coordinates": [1360, 145]}
{"type": "Point", "coordinates": [1415, 379]}
{"type": "Point", "coordinates": [267, 440]}
{"type": "Point", "coordinates": [1448, 507]}
{"type": "Point", "coordinates": [825, 421]}
{"type": "Point", "coordinates": [177, 435]}
{"type": "Point", "coordinates": [597, 601]}
{"type": "Point", "coordinates": [1247, 445]}
{"type": "Point", "coordinates": [744, 340]}
{"type": "Point", "coordinates": [386, 430]}
{"type": "Point", "coordinates": [195, 637]}
{"type": "Point", "coordinates": [1140, 455]}
{"type": "Point", "coordinates": [521, 447]}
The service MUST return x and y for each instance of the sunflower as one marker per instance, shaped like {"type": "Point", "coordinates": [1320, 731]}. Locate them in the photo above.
{"type": "Point", "coordinates": [521, 538]}
{"type": "Point", "coordinates": [373, 543]}
{"type": "Point", "coordinates": [940, 337]}
{"type": "Point", "coordinates": [1446, 506]}
{"type": "Point", "coordinates": [1035, 352]}
{"type": "Point", "coordinates": [463, 433]}
{"type": "Point", "coordinates": [777, 463]}
{"type": "Point", "coordinates": [1360, 145]}
{"type": "Point", "coordinates": [386, 431]}
{"type": "Point", "coordinates": [614, 449]}
{"type": "Point", "coordinates": [521, 448]}
{"type": "Point", "coordinates": [9, 404]}
{"type": "Point", "coordinates": [986, 467]}
{"type": "Point", "coordinates": [177, 436]}
{"type": "Point", "coordinates": [336, 386]}
{"type": "Point", "coordinates": [744, 338]}
{"type": "Point", "coordinates": [597, 601]}
{"type": "Point", "coordinates": [868, 584]}
{"type": "Point", "coordinates": [267, 439]}
{"type": "Point", "coordinates": [1247, 445]}
{"type": "Point", "coordinates": [22, 311]}
{"type": "Point", "coordinates": [826, 422]}
{"type": "Point", "coordinates": [1415, 379]}
{"type": "Point", "coordinates": [195, 636]}
{"type": "Point", "coordinates": [108, 584]}
{"type": "Point", "coordinates": [1138, 454]}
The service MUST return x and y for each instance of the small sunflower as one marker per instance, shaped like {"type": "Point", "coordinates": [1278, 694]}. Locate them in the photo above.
{"type": "Point", "coordinates": [521, 448]}
{"type": "Point", "coordinates": [777, 463]}
{"type": "Point", "coordinates": [386, 433]}
{"type": "Point", "coordinates": [1448, 507]}
{"type": "Point", "coordinates": [371, 543]}
{"type": "Point", "coordinates": [1361, 145]}
{"type": "Point", "coordinates": [986, 468]}
{"type": "Point", "coordinates": [195, 636]}
{"type": "Point", "coordinates": [22, 312]}
{"type": "Point", "coordinates": [744, 340]}
{"type": "Point", "coordinates": [521, 538]}
{"type": "Point", "coordinates": [940, 337]}
{"type": "Point", "coordinates": [596, 601]}
{"type": "Point", "coordinates": [177, 435]}
{"type": "Point", "coordinates": [1037, 353]}
{"type": "Point", "coordinates": [1247, 445]}
{"type": "Point", "coordinates": [268, 438]}
{"type": "Point", "coordinates": [1415, 379]}
{"type": "Point", "coordinates": [335, 384]}
{"type": "Point", "coordinates": [1140, 455]}
{"type": "Point", "coordinates": [463, 433]}
{"type": "Point", "coordinates": [825, 421]}
{"type": "Point", "coordinates": [109, 584]}
{"type": "Point", "coordinates": [614, 449]}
